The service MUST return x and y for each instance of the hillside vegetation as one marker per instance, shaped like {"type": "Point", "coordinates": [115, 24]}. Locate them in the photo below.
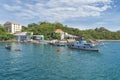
{"type": "Point", "coordinates": [4, 35]}
{"type": "Point", "coordinates": [47, 29]}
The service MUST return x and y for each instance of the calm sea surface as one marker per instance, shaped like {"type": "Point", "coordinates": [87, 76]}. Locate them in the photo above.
{"type": "Point", "coordinates": [45, 62]}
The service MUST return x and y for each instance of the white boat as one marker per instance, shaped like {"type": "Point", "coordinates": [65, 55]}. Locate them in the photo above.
{"type": "Point", "coordinates": [82, 44]}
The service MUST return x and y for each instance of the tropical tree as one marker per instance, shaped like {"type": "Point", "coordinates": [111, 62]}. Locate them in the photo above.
{"type": "Point", "coordinates": [4, 35]}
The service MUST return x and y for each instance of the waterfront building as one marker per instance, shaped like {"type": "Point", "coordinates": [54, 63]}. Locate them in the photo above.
{"type": "Point", "coordinates": [13, 27]}
{"type": "Point", "coordinates": [23, 36]}
{"type": "Point", "coordinates": [38, 37]}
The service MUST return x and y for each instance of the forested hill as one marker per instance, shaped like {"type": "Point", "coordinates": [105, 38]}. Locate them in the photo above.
{"type": "Point", "coordinates": [46, 29]}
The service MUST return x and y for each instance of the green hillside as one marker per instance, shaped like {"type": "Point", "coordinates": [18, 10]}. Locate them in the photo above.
{"type": "Point", "coordinates": [46, 29]}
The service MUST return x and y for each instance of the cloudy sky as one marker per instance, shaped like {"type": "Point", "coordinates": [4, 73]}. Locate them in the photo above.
{"type": "Point", "coordinates": [82, 14]}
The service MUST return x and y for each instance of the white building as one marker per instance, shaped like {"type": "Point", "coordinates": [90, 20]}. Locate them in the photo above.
{"type": "Point", "coordinates": [38, 37]}
{"type": "Point", "coordinates": [62, 33]}
{"type": "Point", "coordinates": [13, 27]}
{"type": "Point", "coordinates": [23, 36]}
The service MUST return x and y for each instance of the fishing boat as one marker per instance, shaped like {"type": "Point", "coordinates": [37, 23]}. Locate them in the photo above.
{"type": "Point", "coordinates": [82, 44]}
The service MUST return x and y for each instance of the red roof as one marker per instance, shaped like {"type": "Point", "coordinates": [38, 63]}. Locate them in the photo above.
{"type": "Point", "coordinates": [58, 31]}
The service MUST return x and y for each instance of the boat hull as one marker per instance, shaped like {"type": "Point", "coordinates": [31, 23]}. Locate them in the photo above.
{"type": "Point", "coordinates": [87, 49]}
{"type": "Point", "coordinates": [57, 44]}
{"type": "Point", "coordinates": [8, 47]}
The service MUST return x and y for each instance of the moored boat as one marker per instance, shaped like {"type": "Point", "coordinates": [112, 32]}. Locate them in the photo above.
{"type": "Point", "coordinates": [82, 44]}
{"type": "Point", "coordinates": [12, 48]}
{"type": "Point", "coordinates": [57, 44]}
{"type": "Point", "coordinates": [8, 47]}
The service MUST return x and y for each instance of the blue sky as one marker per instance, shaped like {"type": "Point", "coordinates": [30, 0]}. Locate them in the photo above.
{"type": "Point", "coordinates": [82, 14]}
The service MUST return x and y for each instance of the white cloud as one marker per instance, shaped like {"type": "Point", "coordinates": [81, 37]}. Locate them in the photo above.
{"type": "Point", "coordinates": [59, 10]}
{"type": "Point", "coordinates": [11, 8]}
{"type": "Point", "coordinates": [17, 1]}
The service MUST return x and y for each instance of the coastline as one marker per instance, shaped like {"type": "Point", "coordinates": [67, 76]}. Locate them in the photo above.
{"type": "Point", "coordinates": [46, 41]}
{"type": "Point", "coordinates": [8, 41]}
{"type": "Point", "coordinates": [108, 40]}
{"type": "Point", "coordinates": [33, 41]}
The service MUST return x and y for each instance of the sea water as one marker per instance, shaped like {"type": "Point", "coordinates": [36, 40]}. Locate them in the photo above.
{"type": "Point", "coordinates": [46, 62]}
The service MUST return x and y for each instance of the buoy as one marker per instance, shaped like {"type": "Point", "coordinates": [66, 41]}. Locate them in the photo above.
{"type": "Point", "coordinates": [58, 50]}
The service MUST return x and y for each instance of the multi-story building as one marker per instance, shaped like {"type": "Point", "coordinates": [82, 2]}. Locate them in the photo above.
{"type": "Point", "coordinates": [13, 27]}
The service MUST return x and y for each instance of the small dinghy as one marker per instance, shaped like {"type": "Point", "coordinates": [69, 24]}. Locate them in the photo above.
{"type": "Point", "coordinates": [12, 48]}
{"type": "Point", "coordinates": [8, 47]}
